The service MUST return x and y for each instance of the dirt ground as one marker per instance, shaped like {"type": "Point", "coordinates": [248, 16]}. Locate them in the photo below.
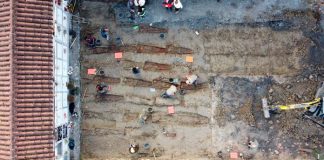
{"type": "Point", "coordinates": [242, 52]}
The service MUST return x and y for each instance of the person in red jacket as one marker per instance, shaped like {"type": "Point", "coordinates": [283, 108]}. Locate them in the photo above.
{"type": "Point", "coordinates": [168, 4]}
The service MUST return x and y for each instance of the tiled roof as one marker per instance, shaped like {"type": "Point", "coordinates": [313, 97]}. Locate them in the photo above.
{"type": "Point", "coordinates": [5, 80]}
{"type": "Point", "coordinates": [26, 86]}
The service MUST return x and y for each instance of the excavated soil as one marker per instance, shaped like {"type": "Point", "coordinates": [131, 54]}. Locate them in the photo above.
{"type": "Point", "coordinates": [242, 52]}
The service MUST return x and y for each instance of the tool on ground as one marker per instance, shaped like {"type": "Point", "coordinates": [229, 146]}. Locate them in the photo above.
{"type": "Point", "coordinates": [313, 120]}
{"type": "Point", "coordinates": [73, 42]}
{"type": "Point", "coordinates": [313, 106]}
{"type": "Point", "coordinates": [314, 109]}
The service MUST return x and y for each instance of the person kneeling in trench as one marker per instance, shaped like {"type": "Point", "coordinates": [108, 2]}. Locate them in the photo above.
{"type": "Point", "coordinates": [192, 79]}
{"type": "Point", "coordinates": [102, 88]}
{"type": "Point", "coordinates": [133, 148]}
{"type": "Point", "coordinates": [170, 92]}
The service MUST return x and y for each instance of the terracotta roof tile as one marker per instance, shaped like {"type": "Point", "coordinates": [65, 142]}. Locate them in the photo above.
{"type": "Point", "coordinates": [26, 74]}
{"type": "Point", "coordinates": [5, 81]}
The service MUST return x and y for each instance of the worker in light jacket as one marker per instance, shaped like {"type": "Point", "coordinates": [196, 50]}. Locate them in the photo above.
{"type": "Point", "coordinates": [192, 79]}
{"type": "Point", "coordinates": [141, 7]}
{"type": "Point", "coordinates": [170, 92]}
{"type": "Point", "coordinates": [177, 6]}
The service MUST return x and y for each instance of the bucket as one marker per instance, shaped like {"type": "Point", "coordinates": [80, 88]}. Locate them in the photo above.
{"type": "Point", "coordinates": [101, 72]}
{"type": "Point", "coordinates": [162, 36]}
{"type": "Point", "coordinates": [150, 110]}
{"type": "Point", "coordinates": [146, 146]}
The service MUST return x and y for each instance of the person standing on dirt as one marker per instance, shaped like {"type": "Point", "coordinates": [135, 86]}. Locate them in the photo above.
{"type": "Point", "coordinates": [136, 70]}
{"type": "Point", "coordinates": [91, 41]}
{"type": "Point", "coordinates": [168, 4]}
{"type": "Point", "coordinates": [177, 6]}
{"type": "Point", "coordinates": [104, 33]}
{"type": "Point", "coordinates": [131, 8]}
{"type": "Point", "coordinates": [141, 7]}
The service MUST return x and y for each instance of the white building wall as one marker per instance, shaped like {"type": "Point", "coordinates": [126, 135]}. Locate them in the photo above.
{"type": "Point", "coordinates": [61, 77]}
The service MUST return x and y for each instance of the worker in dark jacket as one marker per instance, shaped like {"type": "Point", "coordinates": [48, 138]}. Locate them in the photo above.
{"type": "Point", "coordinates": [131, 8]}
{"type": "Point", "coordinates": [136, 70]}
